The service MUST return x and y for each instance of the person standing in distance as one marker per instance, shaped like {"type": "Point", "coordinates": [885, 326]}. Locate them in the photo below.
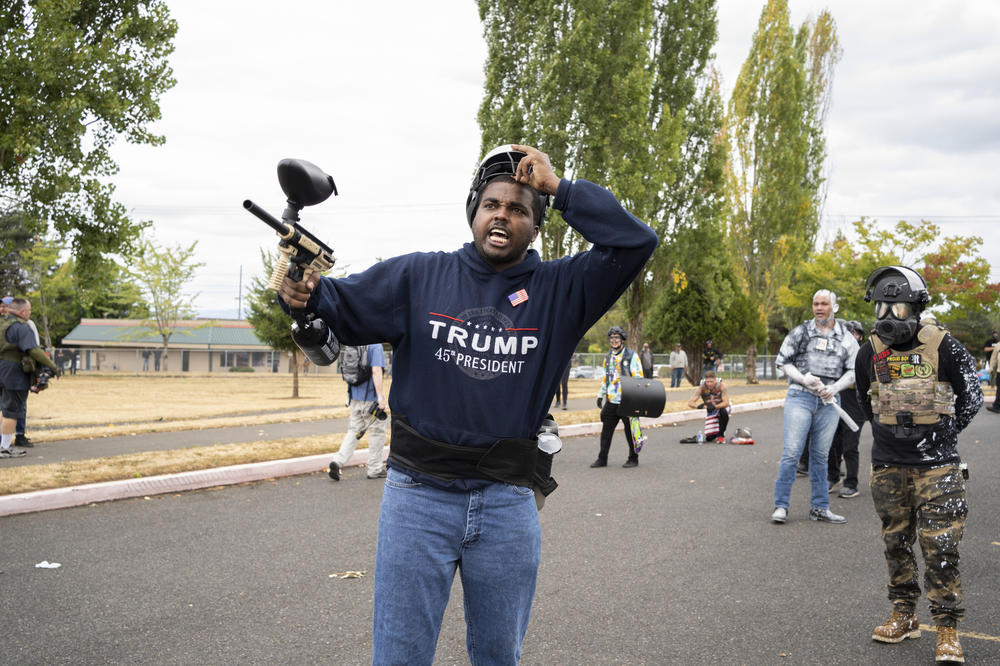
{"type": "Point", "coordinates": [918, 387]}
{"type": "Point", "coordinates": [367, 399]}
{"type": "Point", "coordinates": [480, 337]}
{"type": "Point", "coordinates": [646, 358]}
{"type": "Point", "coordinates": [678, 364]}
{"type": "Point", "coordinates": [818, 358]}
{"type": "Point", "coordinates": [17, 339]}
{"type": "Point", "coordinates": [620, 362]}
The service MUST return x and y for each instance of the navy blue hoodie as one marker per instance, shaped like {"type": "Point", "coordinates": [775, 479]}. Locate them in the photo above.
{"type": "Point", "coordinates": [469, 366]}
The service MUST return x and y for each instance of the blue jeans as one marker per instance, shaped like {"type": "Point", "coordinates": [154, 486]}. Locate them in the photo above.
{"type": "Point", "coordinates": [492, 535]}
{"type": "Point", "coordinates": [676, 374]}
{"type": "Point", "coordinates": [806, 418]}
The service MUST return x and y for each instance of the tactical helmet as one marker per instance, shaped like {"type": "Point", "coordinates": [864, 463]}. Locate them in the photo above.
{"type": "Point", "coordinates": [619, 330]}
{"type": "Point", "coordinates": [855, 326]}
{"type": "Point", "coordinates": [900, 295]}
{"type": "Point", "coordinates": [499, 162]}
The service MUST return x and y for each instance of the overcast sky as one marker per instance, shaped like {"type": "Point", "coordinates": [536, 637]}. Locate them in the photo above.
{"type": "Point", "coordinates": [384, 96]}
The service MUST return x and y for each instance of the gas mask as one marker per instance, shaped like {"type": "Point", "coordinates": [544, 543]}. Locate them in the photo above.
{"type": "Point", "coordinates": [895, 323]}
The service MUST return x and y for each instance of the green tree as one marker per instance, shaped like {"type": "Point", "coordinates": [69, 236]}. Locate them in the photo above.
{"type": "Point", "coordinates": [76, 75]}
{"type": "Point", "coordinates": [777, 150]}
{"type": "Point", "coordinates": [691, 312]}
{"type": "Point", "coordinates": [17, 235]}
{"type": "Point", "coordinates": [269, 321]}
{"type": "Point", "coordinates": [617, 93]}
{"type": "Point", "coordinates": [162, 275]}
{"type": "Point", "coordinates": [962, 297]}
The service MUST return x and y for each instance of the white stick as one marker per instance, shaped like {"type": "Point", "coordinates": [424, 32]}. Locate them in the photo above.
{"type": "Point", "coordinates": [845, 417]}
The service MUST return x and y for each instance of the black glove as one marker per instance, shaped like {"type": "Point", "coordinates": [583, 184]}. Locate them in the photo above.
{"type": "Point", "coordinates": [600, 402]}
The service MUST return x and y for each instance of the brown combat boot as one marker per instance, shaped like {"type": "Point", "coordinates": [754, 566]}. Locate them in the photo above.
{"type": "Point", "coordinates": [898, 627]}
{"type": "Point", "coordinates": [948, 647]}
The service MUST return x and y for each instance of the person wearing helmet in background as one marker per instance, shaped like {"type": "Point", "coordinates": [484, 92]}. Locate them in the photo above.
{"type": "Point", "coordinates": [817, 356]}
{"type": "Point", "coordinates": [480, 338]}
{"type": "Point", "coordinates": [918, 387]}
{"type": "Point", "coordinates": [845, 440]}
{"type": "Point", "coordinates": [619, 362]}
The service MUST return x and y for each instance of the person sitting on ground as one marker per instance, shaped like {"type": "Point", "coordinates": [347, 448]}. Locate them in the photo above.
{"type": "Point", "coordinates": [713, 395]}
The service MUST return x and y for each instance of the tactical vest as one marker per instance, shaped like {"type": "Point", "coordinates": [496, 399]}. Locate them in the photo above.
{"type": "Point", "coordinates": [907, 390]}
{"type": "Point", "coordinates": [9, 351]}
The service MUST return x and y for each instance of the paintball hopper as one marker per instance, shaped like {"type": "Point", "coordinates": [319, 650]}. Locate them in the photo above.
{"type": "Point", "coordinates": [642, 397]}
{"type": "Point", "coordinates": [304, 183]}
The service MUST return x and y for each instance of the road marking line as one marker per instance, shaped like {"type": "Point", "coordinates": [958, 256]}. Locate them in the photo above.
{"type": "Point", "coordinates": [965, 634]}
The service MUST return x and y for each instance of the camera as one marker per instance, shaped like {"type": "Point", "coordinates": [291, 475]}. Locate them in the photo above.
{"type": "Point", "coordinates": [41, 380]}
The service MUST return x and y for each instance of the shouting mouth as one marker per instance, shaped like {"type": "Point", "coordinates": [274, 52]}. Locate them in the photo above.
{"type": "Point", "coordinates": [498, 237]}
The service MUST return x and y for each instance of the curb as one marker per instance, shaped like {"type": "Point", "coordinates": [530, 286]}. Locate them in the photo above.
{"type": "Point", "coordinates": [63, 498]}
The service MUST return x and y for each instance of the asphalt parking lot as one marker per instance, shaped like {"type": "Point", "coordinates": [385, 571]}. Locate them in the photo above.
{"type": "Point", "coordinates": [672, 562]}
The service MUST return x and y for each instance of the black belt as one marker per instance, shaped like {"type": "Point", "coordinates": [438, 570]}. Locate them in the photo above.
{"type": "Point", "coordinates": [508, 460]}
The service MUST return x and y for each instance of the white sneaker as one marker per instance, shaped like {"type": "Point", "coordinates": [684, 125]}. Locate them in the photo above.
{"type": "Point", "coordinates": [780, 514]}
{"type": "Point", "coordinates": [12, 453]}
{"type": "Point", "coordinates": [826, 516]}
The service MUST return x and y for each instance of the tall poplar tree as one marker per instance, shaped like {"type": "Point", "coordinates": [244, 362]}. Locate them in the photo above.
{"type": "Point", "coordinates": [617, 93]}
{"type": "Point", "coordinates": [777, 151]}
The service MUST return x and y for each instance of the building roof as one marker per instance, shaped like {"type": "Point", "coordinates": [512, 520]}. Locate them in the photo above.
{"type": "Point", "coordinates": [188, 334]}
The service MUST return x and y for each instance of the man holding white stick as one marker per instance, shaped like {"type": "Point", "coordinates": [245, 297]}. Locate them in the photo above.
{"type": "Point", "coordinates": [817, 356]}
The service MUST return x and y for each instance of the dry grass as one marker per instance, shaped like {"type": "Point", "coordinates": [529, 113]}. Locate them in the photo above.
{"type": "Point", "coordinates": [99, 406]}
{"type": "Point", "coordinates": [98, 400]}
{"type": "Point", "coordinates": [152, 463]}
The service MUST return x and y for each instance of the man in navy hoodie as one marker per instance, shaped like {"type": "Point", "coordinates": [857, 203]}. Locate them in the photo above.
{"type": "Point", "coordinates": [480, 337]}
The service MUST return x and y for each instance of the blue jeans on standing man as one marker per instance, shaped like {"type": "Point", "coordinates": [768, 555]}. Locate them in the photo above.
{"type": "Point", "coordinates": [806, 418]}
{"type": "Point", "coordinates": [491, 535]}
{"type": "Point", "coordinates": [676, 374]}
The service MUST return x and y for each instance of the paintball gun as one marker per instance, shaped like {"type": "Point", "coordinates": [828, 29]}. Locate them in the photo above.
{"type": "Point", "coordinates": [302, 254]}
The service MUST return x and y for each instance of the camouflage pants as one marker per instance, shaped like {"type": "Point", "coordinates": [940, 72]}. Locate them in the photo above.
{"type": "Point", "coordinates": [929, 504]}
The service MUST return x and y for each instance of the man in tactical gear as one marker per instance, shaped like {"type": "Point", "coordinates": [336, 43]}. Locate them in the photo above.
{"type": "Point", "coordinates": [480, 337]}
{"type": "Point", "coordinates": [918, 387]}
{"type": "Point", "coordinates": [19, 355]}
{"type": "Point", "coordinates": [620, 362]}
{"type": "Point", "coordinates": [818, 358]}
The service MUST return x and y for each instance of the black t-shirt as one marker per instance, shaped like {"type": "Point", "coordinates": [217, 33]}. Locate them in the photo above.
{"type": "Point", "coordinates": [939, 446]}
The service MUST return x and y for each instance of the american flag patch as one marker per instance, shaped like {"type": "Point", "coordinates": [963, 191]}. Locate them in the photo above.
{"type": "Point", "coordinates": [518, 297]}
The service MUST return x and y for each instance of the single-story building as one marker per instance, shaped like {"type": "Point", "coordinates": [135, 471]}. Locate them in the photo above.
{"type": "Point", "coordinates": [197, 345]}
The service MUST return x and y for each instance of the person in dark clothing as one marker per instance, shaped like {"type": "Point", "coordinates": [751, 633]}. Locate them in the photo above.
{"type": "Point", "coordinates": [480, 338]}
{"type": "Point", "coordinates": [646, 359]}
{"type": "Point", "coordinates": [562, 388]}
{"type": "Point", "coordinates": [919, 388]}
{"type": "Point", "coordinates": [711, 358]}
{"type": "Point", "coordinates": [845, 440]}
{"type": "Point", "coordinates": [17, 341]}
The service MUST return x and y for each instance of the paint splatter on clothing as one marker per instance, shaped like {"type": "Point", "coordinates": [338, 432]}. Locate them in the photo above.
{"type": "Point", "coordinates": [931, 445]}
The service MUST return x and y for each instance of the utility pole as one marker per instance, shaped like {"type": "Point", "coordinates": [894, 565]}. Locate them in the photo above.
{"type": "Point", "coordinates": [239, 298]}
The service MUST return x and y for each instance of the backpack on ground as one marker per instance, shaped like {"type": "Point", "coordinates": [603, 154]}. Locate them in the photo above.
{"type": "Point", "coordinates": [354, 366]}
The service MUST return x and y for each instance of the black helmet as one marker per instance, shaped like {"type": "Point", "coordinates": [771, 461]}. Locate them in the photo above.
{"type": "Point", "coordinates": [855, 326]}
{"type": "Point", "coordinates": [499, 162]}
{"type": "Point", "coordinates": [619, 330]}
{"type": "Point", "coordinates": [896, 284]}
{"type": "Point", "coordinates": [900, 295]}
